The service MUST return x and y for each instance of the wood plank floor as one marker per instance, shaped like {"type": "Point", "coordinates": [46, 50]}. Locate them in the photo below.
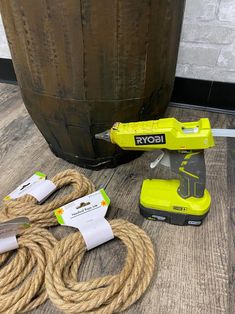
{"type": "Point", "coordinates": [195, 267]}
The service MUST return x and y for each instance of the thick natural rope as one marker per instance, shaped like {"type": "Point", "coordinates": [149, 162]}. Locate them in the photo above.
{"type": "Point", "coordinates": [108, 294]}
{"type": "Point", "coordinates": [42, 215]}
{"type": "Point", "coordinates": [22, 273]}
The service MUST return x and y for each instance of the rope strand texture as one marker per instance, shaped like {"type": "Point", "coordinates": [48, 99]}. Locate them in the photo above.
{"type": "Point", "coordinates": [108, 294]}
{"type": "Point", "coordinates": [42, 215]}
{"type": "Point", "coordinates": [22, 273]}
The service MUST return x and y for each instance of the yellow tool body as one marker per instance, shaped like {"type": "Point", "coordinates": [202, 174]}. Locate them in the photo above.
{"type": "Point", "coordinates": [166, 133]}
{"type": "Point", "coordinates": [185, 201]}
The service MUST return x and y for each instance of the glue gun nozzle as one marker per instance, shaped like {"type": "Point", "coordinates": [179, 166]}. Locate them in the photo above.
{"type": "Point", "coordinates": [104, 136]}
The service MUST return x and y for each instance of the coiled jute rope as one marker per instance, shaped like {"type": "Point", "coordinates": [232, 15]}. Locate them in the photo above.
{"type": "Point", "coordinates": [108, 294]}
{"type": "Point", "coordinates": [42, 215]}
{"type": "Point", "coordinates": [22, 272]}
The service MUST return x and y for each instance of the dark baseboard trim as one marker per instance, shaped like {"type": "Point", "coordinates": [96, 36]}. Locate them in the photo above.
{"type": "Point", "coordinates": [7, 73]}
{"type": "Point", "coordinates": [199, 94]}
{"type": "Point", "coordinates": [206, 94]}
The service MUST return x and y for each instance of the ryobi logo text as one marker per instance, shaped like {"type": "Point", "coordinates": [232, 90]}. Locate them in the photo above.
{"type": "Point", "coordinates": [150, 139]}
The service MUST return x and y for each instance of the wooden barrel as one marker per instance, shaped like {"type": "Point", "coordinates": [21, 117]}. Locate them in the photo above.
{"type": "Point", "coordinates": [84, 64]}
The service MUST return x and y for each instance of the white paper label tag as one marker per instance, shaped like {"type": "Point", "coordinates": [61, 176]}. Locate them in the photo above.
{"type": "Point", "coordinates": [97, 233]}
{"type": "Point", "coordinates": [42, 189]}
{"type": "Point", "coordinates": [8, 231]}
{"type": "Point", "coordinates": [8, 244]}
{"type": "Point", "coordinates": [87, 214]}
{"type": "Point", "coordinates": [25, 186]}
{"type": "Point", "coordinates": [37, 186]}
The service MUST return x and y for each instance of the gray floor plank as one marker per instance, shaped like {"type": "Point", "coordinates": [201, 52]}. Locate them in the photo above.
{"type": "Point", "coordinates": [194, 266]}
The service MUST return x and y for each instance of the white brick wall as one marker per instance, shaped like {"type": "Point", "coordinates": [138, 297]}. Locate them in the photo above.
{"type": "Point", "coordinates": [4, 50]}
{"type": "Point", "coordinates": [207, 48]}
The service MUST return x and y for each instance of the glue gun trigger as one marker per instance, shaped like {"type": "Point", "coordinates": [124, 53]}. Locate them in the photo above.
{"type": "Point", "coordinates": [163, 159]}
{"type": "Point", "coordinates": [156, 161]}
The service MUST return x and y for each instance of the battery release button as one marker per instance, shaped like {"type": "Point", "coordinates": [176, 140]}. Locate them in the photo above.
{"type": "Point", "coordinates": [194, 223]}
{"type": "Point", "coordinates": [159, 217]}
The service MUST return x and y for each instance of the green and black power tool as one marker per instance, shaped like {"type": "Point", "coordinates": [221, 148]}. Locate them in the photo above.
{"type": "Point", "coordinates": [185, 201]}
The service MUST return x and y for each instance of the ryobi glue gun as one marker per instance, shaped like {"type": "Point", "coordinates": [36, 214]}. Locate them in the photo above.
{"type": "Point", "coordinates": [185, 201]}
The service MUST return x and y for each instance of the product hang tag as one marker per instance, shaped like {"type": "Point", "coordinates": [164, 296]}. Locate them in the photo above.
{"type": "Point", "coordinates": [8, 244]}
{"type": "Point", "coordinates": [8, 232]}
{"type": "Point", "coordinates": [23, 189]}
{"type": "Point", "coordinates": [37, 186]}
{"type": "Point", "coordinates": [88, 215]}
{"type": "Point", "coordinates": [42, 189]}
